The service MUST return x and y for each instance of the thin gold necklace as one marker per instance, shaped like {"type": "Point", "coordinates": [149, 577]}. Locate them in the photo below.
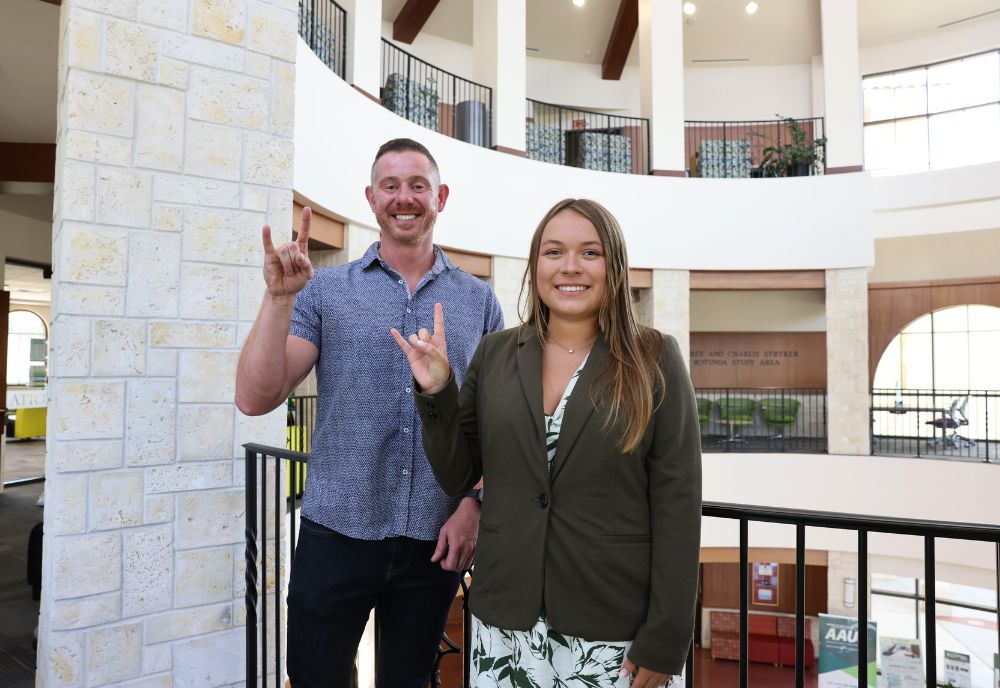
{"type": "Point", "coordinates": [569, 350]}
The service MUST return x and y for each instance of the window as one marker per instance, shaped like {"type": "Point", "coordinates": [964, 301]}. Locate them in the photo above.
{"type": "Point", "coordinates": [933, 117]}
{"type": "Point", "coordinates": [26, 349]}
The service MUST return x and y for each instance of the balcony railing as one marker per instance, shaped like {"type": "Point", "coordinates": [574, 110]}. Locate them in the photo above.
{"type": "Point", "coordinates": [763, 148]}
{"type": "Point", "coordinates": [943, 424]}
{"type": "Point", "coordinates": [323, 26]}
{"type": "Point", "coordinates": [581, 138]}
{"type": "Point", "coordinates": [436, 99]}
{"type": "Point", "coordinates": [754, 419]}
{"type": "Point", "coordinates": [271, 471]}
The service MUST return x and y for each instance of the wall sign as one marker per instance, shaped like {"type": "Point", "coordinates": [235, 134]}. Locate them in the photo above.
{"type": "Point", "coordinates": [764, 587]}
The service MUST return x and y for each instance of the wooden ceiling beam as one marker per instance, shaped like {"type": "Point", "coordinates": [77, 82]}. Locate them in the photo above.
{"type": "Point", "coordinates": [28, 162]}
{"type": "Point", "coordinates": [411, 19]}
{"type": "Point", "coordinates": [620, 42]}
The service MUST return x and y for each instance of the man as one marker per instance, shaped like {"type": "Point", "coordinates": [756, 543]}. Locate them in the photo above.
{"type": "Point", "coordinates": [377, 530]}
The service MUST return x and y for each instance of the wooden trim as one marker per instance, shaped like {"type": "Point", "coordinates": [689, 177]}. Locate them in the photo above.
{"type": "Point", "coordinates": [782, 555]}
{"type": "Point", "coordinates": [953, 282]}
{"type": "Point", "coordinates": [668, 173]}
{"type": "Point", "coordinates": [621, 39]}
{"type": "Point", "coordinates": [325, 233]}
{"type": "Point", "coordinates": [758, 279]}
{"type": "Point", "coordinates": [510, 151]}
{"type": "Point", "coordinates": [411, 18]}
{"type": "Point", "coordinates": [478, 264]}
{"type": "Point", "coordinates": [28, 162]}
{"type": "Point", "coordinates": [53, 2]}
{"type": "Point", "coordinates": [365, 93]}
{"type": "Point", "coordinates": [640, 278]}
{"type": "Point", "coordinates": [844, 170]}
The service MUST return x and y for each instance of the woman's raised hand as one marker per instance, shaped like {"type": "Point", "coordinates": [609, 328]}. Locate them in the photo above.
{"type": "Point", "coordinates": [287, 268]}
{"type": "Point", "coordinates": [427, 354]}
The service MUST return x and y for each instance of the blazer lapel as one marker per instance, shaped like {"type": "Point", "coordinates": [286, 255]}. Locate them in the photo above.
{"type": "Point", "coordinates": [529, 370]}
{"type": "Point", "coordinates": [579, 407]}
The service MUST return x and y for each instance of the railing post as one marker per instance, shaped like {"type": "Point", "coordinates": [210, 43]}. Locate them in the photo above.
{"type": "Point", "coordinates": [800, 604]}
{"type": "Point", "coordinates": [250, 554]}
{"type": "Point", "coordinates": [862, 592]}
{"type": "Point", "coordinates": [278, 504]}
{"type": "Point", "coordinates": [744, 604]}
{"type": "Point", "coordinates": [930, 612]}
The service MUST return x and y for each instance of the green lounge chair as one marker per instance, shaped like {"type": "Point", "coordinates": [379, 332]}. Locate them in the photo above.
{"type": "Point", "coordinates": [780, 412]}
{"type": "Point", "coordinates": [704, 410]}
{"type": "Point", "coordinates": [736, 412]}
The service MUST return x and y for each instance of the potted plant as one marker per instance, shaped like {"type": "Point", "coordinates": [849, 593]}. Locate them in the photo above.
{"type": "Point", "coordinates": [799, 158]}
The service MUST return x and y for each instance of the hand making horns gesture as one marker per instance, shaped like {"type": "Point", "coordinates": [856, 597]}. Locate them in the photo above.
{"type": "Point", "coordinates": [427, 354]}
{"type": "Point", "coordinates": [287, 268]}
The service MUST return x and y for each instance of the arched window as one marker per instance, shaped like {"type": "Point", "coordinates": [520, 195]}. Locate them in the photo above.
{"type": "Point", "coordinates": [26, 349]}
{"type": "Point", "coordinates": [951, 349]}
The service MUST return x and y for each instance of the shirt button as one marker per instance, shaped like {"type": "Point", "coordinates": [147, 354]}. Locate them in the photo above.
{"type": "Point", "coordinates": [400, 281]}
{"type": "Point", "coordinates": [407, 310]}
{"type": "Point", "coordinates": [543, 501]}
{"type": "Point", "coordinates": [407, 390]}
{"type": "Point", "coordinates": [406, 471]}
{"type": "Point", "coordinates": [406, 429]}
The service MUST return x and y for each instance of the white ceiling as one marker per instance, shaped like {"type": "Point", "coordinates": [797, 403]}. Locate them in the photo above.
{"type": "Point", "coordinates": [782, 32]}
{"type": "Point", "coordinates": [26, 285]}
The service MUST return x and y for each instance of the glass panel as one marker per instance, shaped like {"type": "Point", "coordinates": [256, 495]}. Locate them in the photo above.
{"type": "Point", "coordinates": [954, 319]}
{"type": "Point", "coordinates": [969, 632]}
{"type": "Point", "coordinates": [984, 318]}
{"type": "Point", "coordinates": [984, 365]}
{"type": "Point", "coordinates": [880, 143]}
{"type": "Point", "coordinates": [911, 146]}
{"type": "Point", "coordinates": [25, 322]}
{"type": "Point", "coordinates": [970, 594]}
{"type": "Point", "coordinates": [900, 94]}
{"type": "Point", "coordinates": [965, 137]}
{"type": "Point", "coordinates": [951, 360]}
{"type": "Point", "coordinates": [878, 97]}
{"type": "Point", "coordinates": [970, 81]}
{"type": "Point", "coordinates": [888, 374]}
{"type": "Point", "coordinates": [889, 583]}
{"type": "Point", "coordinates": [916, 362]}
{"type": "Point", "coordinates": [921, 324]}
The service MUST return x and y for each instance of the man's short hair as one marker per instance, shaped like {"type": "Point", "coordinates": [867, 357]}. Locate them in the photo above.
{"type": "Point", "coordinates": [401, 145]}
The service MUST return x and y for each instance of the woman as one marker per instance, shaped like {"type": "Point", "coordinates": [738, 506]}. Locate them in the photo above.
{"type": "Point", "coordinates": [584, 428]}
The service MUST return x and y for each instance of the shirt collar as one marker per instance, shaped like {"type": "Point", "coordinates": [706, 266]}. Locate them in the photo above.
{"type": "Point", "coordinates": [372, 257]}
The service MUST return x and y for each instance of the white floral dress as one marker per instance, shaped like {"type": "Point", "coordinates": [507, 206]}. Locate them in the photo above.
{"type": "Point", "coordinates": [541, 656]}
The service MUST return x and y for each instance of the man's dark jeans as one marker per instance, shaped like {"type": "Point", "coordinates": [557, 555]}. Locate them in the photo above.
{"type": "Point", "coordinates": [337, 580]}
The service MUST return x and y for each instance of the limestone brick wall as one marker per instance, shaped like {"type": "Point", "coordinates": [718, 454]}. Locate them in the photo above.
{"type": "Point", "coordinates": [506, 282]}
{"type": "Point", "coordinates": [847, 361]}
{"type": "Point", "coordinates": [666, 306]}
{"type": "Point", "coordinates": [174, 147]}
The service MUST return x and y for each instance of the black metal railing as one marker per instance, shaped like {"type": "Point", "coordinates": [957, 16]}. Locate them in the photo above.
{"type": "Point", "coordinates": [263, 461]}
{"type": "Point", "coordinates": [944, 424]}
{"type": "Point", "coordinates": [436, 99]}
{"type": "Point", "coordinates": [756, 419]}
{"type": "Point", "coordinates": [301, 422]}
{"type": "Point", "coordinates": [581, 138]}
{"type": "Point", "coordinates": [323, 26]}
{"type": "Point", "coordinates": [763, 148]}
{"type": "Point", "coordinates": [930, 531]}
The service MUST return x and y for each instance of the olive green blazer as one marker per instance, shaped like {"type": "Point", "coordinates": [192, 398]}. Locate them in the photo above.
{"type": "Point", "coordinates": [607, 545]}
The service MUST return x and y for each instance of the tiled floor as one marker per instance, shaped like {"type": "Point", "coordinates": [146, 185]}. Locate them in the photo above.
{"type": "Point", "coordinates": [24, 459]}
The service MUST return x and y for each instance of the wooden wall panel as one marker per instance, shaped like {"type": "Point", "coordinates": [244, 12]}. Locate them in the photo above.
{"type": "Point", "coordinates": [478, 264]}
{"type": "Point", "coordinates": [757, 279]}
{"type": "Point", "coordinates": [325, 233]}
{"type": "Point", "coordinates": [758, 359]}
{"type": "Point", "coordinates": [894, 305]}
{"type": "Point", "coordinates": [720, 588]}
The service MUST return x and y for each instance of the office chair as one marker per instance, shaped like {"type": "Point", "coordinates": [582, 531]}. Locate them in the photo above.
{"type": "Point", "coordinates": [955, 419]}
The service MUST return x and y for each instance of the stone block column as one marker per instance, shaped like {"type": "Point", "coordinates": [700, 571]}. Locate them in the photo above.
{"type": "Point", "coordinates": [506, 283]}
{"type": "Point", "coordinates": [847, 390]}
{"type": "Point", "coordinates": [174, 147]}
{"type": "Point", "coordinates": [666, 306]}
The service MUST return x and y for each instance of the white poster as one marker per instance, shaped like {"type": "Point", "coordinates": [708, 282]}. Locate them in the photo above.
{"type": "Point", "coordinates": [957, 670]}
{"type": "Point", "coordinates": [901, 665]}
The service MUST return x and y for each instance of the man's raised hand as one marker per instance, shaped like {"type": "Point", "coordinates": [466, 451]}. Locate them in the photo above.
{"type": "Point", "coordinates": [287, 268]}
{"type": "Point", "coordinates": [427, 354]}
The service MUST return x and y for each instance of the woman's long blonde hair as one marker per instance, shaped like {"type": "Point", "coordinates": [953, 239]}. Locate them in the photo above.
{"type": "Point", "coordinates": [632, 384]}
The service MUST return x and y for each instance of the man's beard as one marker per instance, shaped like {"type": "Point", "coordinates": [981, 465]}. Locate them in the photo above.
{"type": "Point", "coordinates": [386, 228]}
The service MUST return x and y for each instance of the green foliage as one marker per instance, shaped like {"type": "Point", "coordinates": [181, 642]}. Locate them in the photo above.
{"type": "Point", "coordinates": [788, 159]}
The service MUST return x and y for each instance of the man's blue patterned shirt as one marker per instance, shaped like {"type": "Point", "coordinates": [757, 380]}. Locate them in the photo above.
{"type": "Point", "coordinates": [368, 476]}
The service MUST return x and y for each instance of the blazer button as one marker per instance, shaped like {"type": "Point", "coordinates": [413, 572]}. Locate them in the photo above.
{"type": "Point", "coordinates": [543, 501]}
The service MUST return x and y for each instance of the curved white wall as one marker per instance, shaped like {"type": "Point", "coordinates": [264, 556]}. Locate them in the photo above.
{"type": "Point", "coordinates": [803, 223]}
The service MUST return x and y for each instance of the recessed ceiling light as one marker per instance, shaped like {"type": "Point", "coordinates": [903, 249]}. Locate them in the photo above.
{"type": "Point", "coordinates": [579, 3]}
{"type": "Point", "coordinates": [751, 7]}
{"type": "Point", "coordinates": [689, 8]}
